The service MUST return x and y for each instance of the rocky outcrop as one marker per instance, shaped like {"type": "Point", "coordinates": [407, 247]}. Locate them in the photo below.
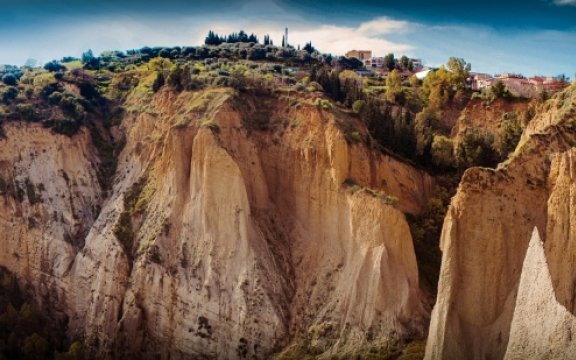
{"type": "Point", "coordinates": [50, 198]}
{"type": "Point", "coordinates": [490, 116]}
{"type": "Point", "coordinates": [218, 239]}
{"type": "Point", "coordinates": [486, 235]}
{"type": "Point", "coordinates": [541, 327]}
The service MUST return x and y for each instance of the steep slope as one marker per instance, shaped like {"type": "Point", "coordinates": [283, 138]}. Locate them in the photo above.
{"type": "Point", "coordinates": [50, 198]}
{"type": "Point", "coordinates": [218, 239]}
{"type": "Point", "coordinates": [486, 235]}
{"type": "Point", "coordinates": [537, 304]}
{"type": "Point", "coordinates": [490, 117]}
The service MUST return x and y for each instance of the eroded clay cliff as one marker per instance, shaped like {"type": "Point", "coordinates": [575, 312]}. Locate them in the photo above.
{"type": "Point", "coordinates": [481, 297]}
{"type": "Point", "coordinates": [231, 231]}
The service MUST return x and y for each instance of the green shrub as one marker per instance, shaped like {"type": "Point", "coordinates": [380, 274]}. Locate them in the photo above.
{"type": "Point", "coordinates": [355, 136]}
{"type": "Point", "coordinates": [358, 106]}
{"type": "Point", "coordinates": [314, 86]}
{"type": "Point", "coordinates": [124, 233]}
{"type": "Point", "coordinates": [509, 136]}
{"type": "Point", "coordinates": [323, 104]}
{"type": "Point", "coordinates": [442, 151]}
{"type": "Point", "coordinates": [26, 112]}
{"type": "Point", "coordinates": [158, 82]}
{"type": "Point", "coordinates": [9, 79]}
{"type": "Point", "coordinates": [475, 149]}
{"type": "Point", "coordinates": [9, 94]}
{"type": "Point", "coordinates": [182, 122]}
{"type": "Point", "coordinates": [68, 127]}
{"type": "Point", "coordinates": [55, 98]}
{"type": "Point", "coordinates": [391, 200]}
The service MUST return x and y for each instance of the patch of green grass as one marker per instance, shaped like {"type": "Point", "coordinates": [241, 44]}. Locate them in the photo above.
{"type": "Point", "coordinates": [324, 104]}
{"type": "Point", "coordinates": [71, 65]}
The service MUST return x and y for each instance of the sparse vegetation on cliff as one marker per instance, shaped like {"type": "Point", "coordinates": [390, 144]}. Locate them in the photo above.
{"type": "Point", "coordinates": [136, 201]}
{"type": "Point", "coordinates": [25, 332]}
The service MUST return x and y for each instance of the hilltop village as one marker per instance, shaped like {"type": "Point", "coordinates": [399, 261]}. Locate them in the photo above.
{"type": "Point", "coordinates": [517, 84]}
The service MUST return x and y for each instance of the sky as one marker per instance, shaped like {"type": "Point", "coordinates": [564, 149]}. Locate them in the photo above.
{"type": "Point", "coordinates": [532, 37]}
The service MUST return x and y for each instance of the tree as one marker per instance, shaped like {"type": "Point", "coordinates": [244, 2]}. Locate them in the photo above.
{"type": "Point", "coordinates": [164, 53]}
{"type": "Point", "coordinates": [405, 62]}
{"type": "Point", "coordinates": [54, 66]}
{"type": "Point", "coordinates": [87, 56]}
{"type": "Point", "coordinates": [175, 78]}
{"type": "Point", "coordinates": [89, 60]}
{"type": "Point", "coordinates": [352, 89]}
{"type": "Point", "coordinates": [499, 90]}
{"type": "Point", "coordinates": [213, 39]}
{"type": "Point", "coordinates": [9, 79]}
{"type": "Point", "coordinates": [9, 94]}
{"type": "Point", "coordinates": [242, 36]}
{"type": "Point", "coordinates": [442, 151]}
{"type": "Point", "coordinates": [267, 40]}
{"type": "Point", "coordinates": [414, 81]}
{"type": "Point", "coordinates": [393, 86]}
{"type": "Point", "coordinates": [474, 149]}
{"type": "Point", "coordinates": [440, 86]}
{"type": "Point", "coordinates": [309, 48]}
{"type": "Point", "coordinates": [349, 63]}
{"type": "Point", "coordinates": [253, 38]}
{"type": "Point", "coordinates": [389, 61]}
{"type": "Point", "coordinates": [460, 71]}
{"type": "Point", "coordinates": [509, 136]}
{"type": "Point", "coordinates": [459, 65]}
{"type": "Point", "coordinates": [425, 122]}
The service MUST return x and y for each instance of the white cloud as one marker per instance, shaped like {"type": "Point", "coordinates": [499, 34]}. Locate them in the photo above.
{"type": "Point", "coordinates": [565, 2]}
{"type": "Point", "coordinates": [338, 40]}
{"type": "Point", "coordinates": [383, 26]}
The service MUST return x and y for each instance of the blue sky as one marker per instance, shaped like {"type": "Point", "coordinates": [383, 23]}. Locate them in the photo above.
{"type": "Point", "coordinates": [530, 36]}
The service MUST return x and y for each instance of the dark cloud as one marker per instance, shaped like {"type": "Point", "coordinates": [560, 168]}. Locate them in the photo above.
{"type": "Point", "coordinates": [500, 14]}
{"type": "Point", "coordinates": [31, 12]}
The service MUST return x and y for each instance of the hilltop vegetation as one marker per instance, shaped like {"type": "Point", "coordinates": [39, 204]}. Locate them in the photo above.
{"type": "Point", "coordinates": [405, 116]}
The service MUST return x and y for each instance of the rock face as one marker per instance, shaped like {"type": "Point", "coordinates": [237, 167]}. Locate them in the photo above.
{"type": "Point", "coordinates": [218, 240]}
{"type": "Point", "coordinates": [541, 327]}
{"type": "Point", "coordinates": [50, 198]}
{"type": "Point", "coordinates": [485, 240]}
{"type": "Point", "coordinates": [489, 118]}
